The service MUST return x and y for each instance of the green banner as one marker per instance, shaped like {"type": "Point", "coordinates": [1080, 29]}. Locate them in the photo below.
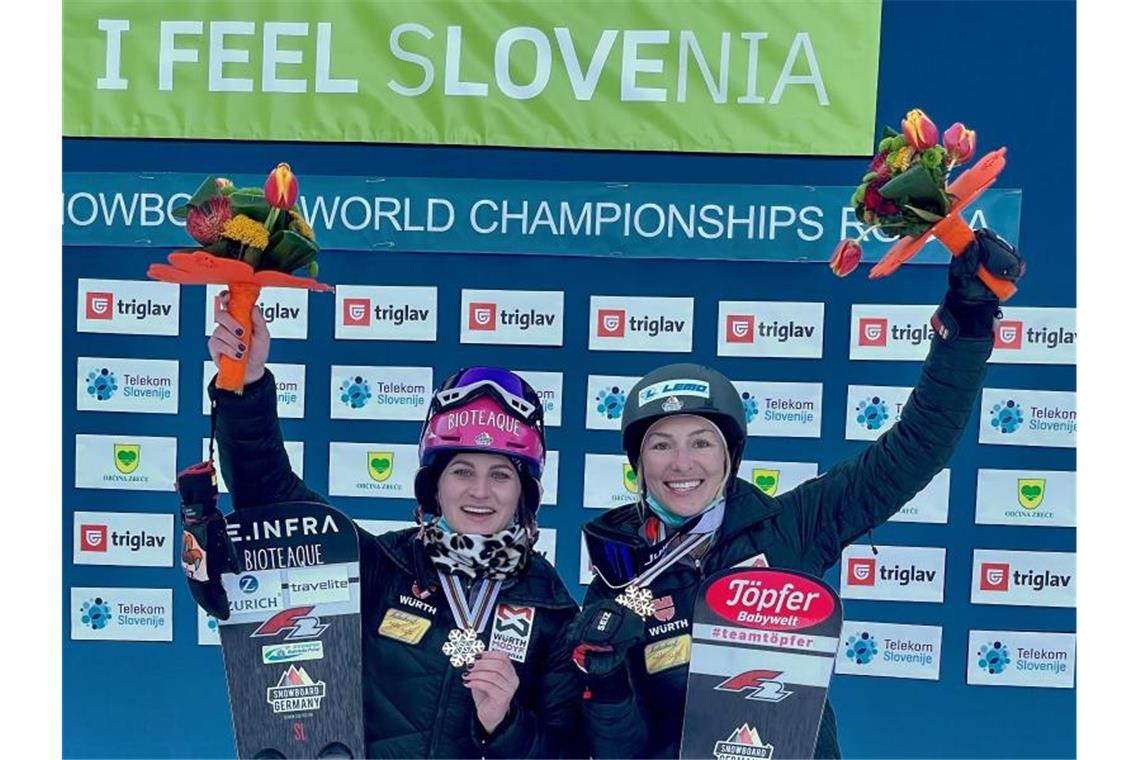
{"type": "Point", "coordinates": [755, 76]}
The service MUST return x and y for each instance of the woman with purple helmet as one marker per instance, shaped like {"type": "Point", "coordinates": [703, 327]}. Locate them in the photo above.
{"type": "Point", "coordinates": [504, 685]}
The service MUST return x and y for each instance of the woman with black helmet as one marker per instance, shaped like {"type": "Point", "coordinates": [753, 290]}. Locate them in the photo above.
{"type": "Point", "coordinates": [478, 489]}
{"type": "Point", "coordinates": [684, 431]}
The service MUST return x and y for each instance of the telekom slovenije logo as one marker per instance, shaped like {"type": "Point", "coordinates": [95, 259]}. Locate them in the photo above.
{"type": "Point", "coordinates": [93, 538]}
{"type": "Point", "coordinates": [357, 312]}
{"type": "Point", "coordinates": [861, 571]}
{"type": "Point", "coordinates": [481, 316]}
{"type": "Point", "coordinates": [100, 305]}
{"type": "Point", "coordinates": [1008, 334]}
{"type": "Point", "coordinates": [873, 331]}
{"type": "Point", "coordinates": [994, 576]}
{"type": "Point", "coordinates": [611, 323]}
{"type": "Point", "coordinates": [740, 328]}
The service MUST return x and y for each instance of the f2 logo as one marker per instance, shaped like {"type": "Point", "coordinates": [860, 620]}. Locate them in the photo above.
{"type": "Point", "coordinates": [93, 538]}
{"type": "Point", "coordinates": [100, 305]}
{"type": "Point", "coordinates": [296, 623]}
{"type": "Point", "coordinates": [861, 572]}
{"type": "Point", "coordinates": [1008, 334]}
{"type": "Point", "coordinates": [873, 332]}
{"type": "Point", "coordinates": [357, 312]}
{"type": "Point", "coordinates": [995, 576]}
{"type": "Point", "coordinates": [762, 684]}
{"type": "Point", "coordinates": [481, 316]}
{"type": "Point", "coordinates": [739, 328]}
{"type": "Point", "coordinates": [611, 323]}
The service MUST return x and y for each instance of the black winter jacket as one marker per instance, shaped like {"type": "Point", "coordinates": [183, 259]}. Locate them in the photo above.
{"type": "Point", "coordinates": [415, 704]}
{"type": "Point", "coordinates": [634, 713]}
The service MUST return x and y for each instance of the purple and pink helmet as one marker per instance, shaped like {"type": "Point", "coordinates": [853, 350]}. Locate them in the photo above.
{"type": "Point", "coordinates": [488, 410]}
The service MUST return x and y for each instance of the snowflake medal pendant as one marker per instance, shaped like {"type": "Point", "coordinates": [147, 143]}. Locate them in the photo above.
{"type": "Point", "coordinates": [461, 646]}
{"type": "Point", "coordinates": [640, 600]}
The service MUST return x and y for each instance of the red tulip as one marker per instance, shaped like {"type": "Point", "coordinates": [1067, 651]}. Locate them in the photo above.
{"type": "Point", "coordinates": [281, 187]}
{"type": "Point", "coordinates": [959, 142]}
{"type": "Point", "coordinates": [920, 131]}
{"type": "Point", "coordinates": [205, 222]}
{"type": "Point", "coordinates": [846, 257]}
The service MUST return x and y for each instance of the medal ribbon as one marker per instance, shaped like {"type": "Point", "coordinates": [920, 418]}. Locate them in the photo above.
{"type": "Point", "coordinates": [475, 616]}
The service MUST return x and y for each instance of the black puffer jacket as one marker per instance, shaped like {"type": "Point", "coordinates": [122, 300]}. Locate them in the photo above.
{"type": "Point", "coordinates": [415, 704]}
{"type": "Point", "coordinates": [634, 713]}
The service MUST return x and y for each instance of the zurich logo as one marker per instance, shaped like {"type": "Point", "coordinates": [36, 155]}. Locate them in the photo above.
{"type": "Point", "coordinates": [248, 584]}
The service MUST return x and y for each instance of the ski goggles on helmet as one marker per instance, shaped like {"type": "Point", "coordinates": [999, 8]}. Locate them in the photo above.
{"type": "Point", "coordinates": [513, 394]}
{"type": "Point", "coordinates": [616, 557]}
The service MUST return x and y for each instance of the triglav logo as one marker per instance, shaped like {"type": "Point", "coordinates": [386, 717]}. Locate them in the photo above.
{"type": "Point", "coordinates": [873, 331]}
{"type": "Point", "coordinates": [1030, 492]}
{"type": "Point", "coordinates": [101, 384]}
{"type": "Point", "coordinates": [861, 572]}
{"type": "Point", "coordinates": [995, 576]}
{"type": "Point", "coordinates": [872, 413]}
{"type": "Point", "coordinates": [993, 657]}
{"type": "Point", "coordinates": [380, 465]}
{"type": "Point", "coordinates": [354, 392]}
{"type": "Point", "coordinates": [100, 305]}
{"type": "Point", "coordinates": [93, 538]}
{"type": "Point", "coordinates": [610, 402]}
{"type": "Point", "coordinates": [1006, 416]}
{"type": "Point", "coordinates": [611, 323]}
{"type": "Point", "coordinates": [127, 457]}
{"type": "Point", "coordinates": [1008, 334]}
{"type": "Point", "coordinates": [95, 613]}
{"type": "Point", "coordinates": [767, 480]}
{"type": "Point", "coordinates": [861, 649]}
{"type": "Point", "coordinates": [358, 312]}
{"type": "Point", "coordinates": [740, 328]}
{"type": "Point", "coordinates": [481, 316]}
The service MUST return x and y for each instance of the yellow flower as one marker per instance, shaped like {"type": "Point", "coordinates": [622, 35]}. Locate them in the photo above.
{"type": "Point", "coordinates": [301, 226]}
{"type": "Point", "coordinates": [246, 231]}
{"type": "Point", "coordinates": [901, 159]}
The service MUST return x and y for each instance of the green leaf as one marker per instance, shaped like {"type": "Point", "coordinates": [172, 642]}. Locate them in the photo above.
{"type": "Point", "coordinates": [253, 206]}
{"type": "Point", "coordinates": [914, 184]}
{"type": "Point", "coordinates": [288, 251]}
{"type": "Point", "coordinates": [252, 256]}
{"type": "Point", "coordinates": [869, 176]}
{"type": "Point", "coordinates": [923, 214]}
{"type": "Point", "coordinates": [313, 269]}
{"type": "Point", "coordinates": [207, 190]}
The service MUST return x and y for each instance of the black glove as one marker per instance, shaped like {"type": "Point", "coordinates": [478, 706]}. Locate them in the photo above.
{"type": "Point", "coordinates": [603, 634]}
{"type": "Point", "coordinates": [207, 550]}
{"type": "Point", "coordinates": [970, 309]}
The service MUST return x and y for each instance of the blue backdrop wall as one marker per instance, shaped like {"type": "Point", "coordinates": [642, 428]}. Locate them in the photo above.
{"type": "Point", "coordinates": [1007, 69]}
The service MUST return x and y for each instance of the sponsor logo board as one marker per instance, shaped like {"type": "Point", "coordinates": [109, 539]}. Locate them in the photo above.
{"type": "Point", "coordinates": [1033, 579]}
{"type": "Point", "coordinates": [608, 481]}
{"type": "Point", "coordinates": [606, 397]}
{"type": "Point", "coordinates": [627, 323]}
{"type": "Point", "coordinates": [785, 410]}
{"type": "Point", "coordinates": [548, 386]}
{"type": "Point", "coordinates": [770, 329]}
{"type": "Point", "coordinates": [290, 379]}
{"type": "Point", "coordinates": [127, 307]}
{"type": "Point", "coordinates": [930, 505]}
{"type": "Point", "coordinates": [511, 317]}
{"type": "Point", "coordinates": [889, 650]}
{"type": "Point", "coordinates": [1043, 498]}
{"type": "Point", "coordinates": [123, 538]}
{"type": "Point", "coordinates": [386, 313]}
{"type": "Point", "coordinates": [295, 450]}
{"type": "Point", "coordinates": [1013, 417]}
{"type": "Point", "coordinates": [121, 614]}
{"type": "Point", "coordinates": [133, 463]}
{"type": "Point", "coordinates": [896, 573]}
{"type": "Point", "coordinates": [378, 470]}
{"type": "Point", "coordinates": [873, 410]}
{"type": "Point", "coordinates": [147, 386]}
{"type": "Point", "coordinates": [1021, 658]}
{"type": "Point", "coordinates": [379, 393]}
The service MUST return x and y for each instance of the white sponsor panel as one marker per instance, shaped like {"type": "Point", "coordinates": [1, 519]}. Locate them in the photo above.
{"type": "Point", "coordinates": [256, 591]}
{"type": "Point", "coordinates": [207, 629]}
{"type": "Point", "coordinates": [627, 323]}
{"type": "Point", "coordinates": [1024, 579]}
{"type": "Point", "coordinates": [770, 329]}
{"type": "Point", "coordinates": [121, 614]}
{"type": "Point", "coordinates": [379, 393]}
{"type": "Point", "coordinates": [378, 527]}
{"type": "Point", "coordinates": [317, 585]}
{"type": "Point", "coordinates": [511, 317]}
{"type": "Point", "coordinates": [290, 379]}
{"type": "Point", "coordinates": [128, 462]}
{"type": "Point", "coordinates": [608, 481]}
{"type": "Point", "coordinates": [606, 397]}
{"type": "Point", "coordinates": [127, 307]}
{"type": "Point", "coordinates": [548, 386]}
{"type": "Point", "coordinates": [1021, 658]}
{"type": "Point", "coordinates": [896, 573]}
{"type": "Point", "coordinates": [123, 538]}
{"type": "Point", "coordinates": [386, 313]}
{"type": "Point", "coordinates": [930, 505]}
{"type": "Point", "coordinates": [585, 574]}
{"type": "Point", "coordinates": [1014, 417]}
{"type": "Point", "coordinates": [378, 470]}
{"type": "Point", "coordinates": [295, 450]}
{"type": "Point", "coordinates": [550, 479]}
{"type": "Point", "coordinates": [784, 410]}
{"type": "Point", "coordinates": [890, 650]}
{"type": "Point", "coordinates": [1042, 498]}
{"type": "Point", "coordinates": [1032, 335]}
{"type": "Point", "coordinates": [775, 478]}
{"type": "Point", "coordinates": [547, 544]}
{"type": "Point", "coordinates": [873, 410]}
{"type": "Point", "coordinates": [286, 311]}
{"type": "Point", "coordinates": [894, 332]}
{"type": "Point", "coordinates": [148, 386]}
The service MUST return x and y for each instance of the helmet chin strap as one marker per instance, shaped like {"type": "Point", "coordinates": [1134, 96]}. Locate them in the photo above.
{"type": "Point", "coordinates": [670, 518]}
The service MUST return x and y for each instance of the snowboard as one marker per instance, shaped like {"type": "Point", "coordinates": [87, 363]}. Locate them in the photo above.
{"type": "Point", "coordinates": [763, 650]}
{"type": "Point", "coordinates": [291, 646]}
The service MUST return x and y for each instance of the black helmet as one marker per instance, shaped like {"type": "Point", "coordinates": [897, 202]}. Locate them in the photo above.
{"type": "Point", "coordinates": [684, 389]}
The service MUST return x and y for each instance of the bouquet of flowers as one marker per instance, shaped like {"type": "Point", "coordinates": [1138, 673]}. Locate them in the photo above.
{"type": "Point", "coordinates": [249, 238]}
{"type": "Point", "coordinates": [905, 190]}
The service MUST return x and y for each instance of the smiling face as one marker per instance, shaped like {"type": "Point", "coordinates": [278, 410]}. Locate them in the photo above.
{"type": "Point", "coordinates": [683, 461]}
{"type": "Point", "coordinates": [479, 493]}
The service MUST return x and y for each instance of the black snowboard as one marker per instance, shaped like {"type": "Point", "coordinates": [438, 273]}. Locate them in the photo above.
{"type": "Point", "coordinates": [764, 643]}
{"type": "Point", "coordinates": [292, 643]}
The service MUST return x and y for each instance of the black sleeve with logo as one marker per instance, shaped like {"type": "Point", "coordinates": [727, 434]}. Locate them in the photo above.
{"type": "Point", "coordinates": [861, 493]}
